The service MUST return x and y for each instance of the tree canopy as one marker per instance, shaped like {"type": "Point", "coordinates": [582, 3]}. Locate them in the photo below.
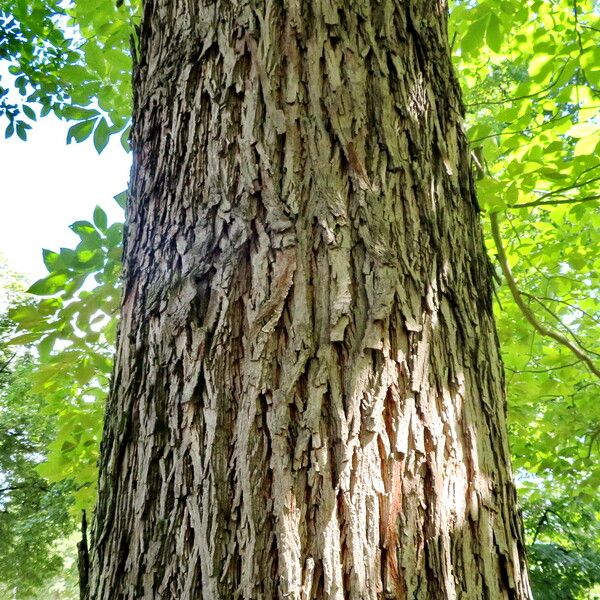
{"type": "Point", "coordinates": [530, 74]}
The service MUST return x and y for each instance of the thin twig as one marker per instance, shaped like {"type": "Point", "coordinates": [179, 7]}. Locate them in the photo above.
{"type": "Point", "coordinates": [593, 438]}
{"type": "Point", "coordinates": [572, 306]}
{"type": "Point", "coordinates": [574, 184]}
{"type": "Point", "coordinates": [540, 524]}
{"type": "Point", "coordinates": [3, 367]}
{"type": "Point", "coordinates": [540, 371]}
{"type": "Point", "coordinates": [547, 89]}
{"type": "Point", "coordinates": [555, 202]}
{"type": "Point", "coordinates": [559, 321]}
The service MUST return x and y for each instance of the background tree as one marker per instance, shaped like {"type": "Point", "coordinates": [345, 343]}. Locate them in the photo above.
{"type": "Point", "coordinates": [34, 514]}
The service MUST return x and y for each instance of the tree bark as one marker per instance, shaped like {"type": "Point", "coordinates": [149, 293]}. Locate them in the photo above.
{"type": "Point", "coordinates": [308, 399]}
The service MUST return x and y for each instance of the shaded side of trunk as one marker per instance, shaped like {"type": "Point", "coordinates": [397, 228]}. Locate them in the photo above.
{"type": "Point", "coordinates": [308, 398]}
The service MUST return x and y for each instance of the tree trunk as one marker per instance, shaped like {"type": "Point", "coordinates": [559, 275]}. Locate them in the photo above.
{"type": "Point", "coordinates": [308, 400]}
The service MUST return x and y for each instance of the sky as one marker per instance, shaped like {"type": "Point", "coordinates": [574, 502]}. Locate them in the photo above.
{"type": "Point", "coordinates": [45, 185]}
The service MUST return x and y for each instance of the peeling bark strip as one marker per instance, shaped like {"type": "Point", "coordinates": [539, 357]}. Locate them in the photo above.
{"type": "Point", "coordinates": [308, 398]}
{"type": "Point", "coordinates": [83, 559]}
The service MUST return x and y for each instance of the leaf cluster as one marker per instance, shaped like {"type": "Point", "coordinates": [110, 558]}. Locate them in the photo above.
{"type": "Point", "coordinates": [73, 60]}
{"type": "Point", "coordinates": [34, 514]}
{"type": "Point", "coordinates": [72, 326]}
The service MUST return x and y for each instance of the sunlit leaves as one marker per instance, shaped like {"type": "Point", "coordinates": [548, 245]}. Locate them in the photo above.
{"type": "Point", "coordinates": [101, 135]}
{"type": "Point", "coordinates": [49, 285]}
{"type": "Point", "coordinates": [100, 219]}
{"type": "Point", "coordinates": [71, 59]}
{"type": "Point", "coordinates": [33, 513]}
{"type": "Point", "coordinates": [73, 328]}
{"type": "Point", "coordinates": [121, 199]}
{"type": "Point", "coordinates": [81, 131]}
{"type": "Point", "coordinates": [494, 32]}
{"type": "Point", "coordinates": [533, 106]}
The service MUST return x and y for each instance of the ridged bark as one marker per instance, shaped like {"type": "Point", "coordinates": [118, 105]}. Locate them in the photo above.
{"type": "Point", "coordinates": [308, 400]}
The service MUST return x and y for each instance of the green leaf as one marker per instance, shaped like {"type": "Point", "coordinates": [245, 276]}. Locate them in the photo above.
{"type": "Point", "coordinates": [24, 339]}
{"type": "Point", "coordinates": [49, 285]}
{"type": "Point", "coordinates": [119, 60]}
{"type": "Point", "coordinates": [77, 113]}
{"type": "Point", "coordinates": [22, 128]}
{"type": "Point", "coordinates": [121, 198]}
{"type": "Point", "coordinates": [540, 64]}
{"type": "Point", "coordinates": [80, 131]}
{"type": "Point", "coordinates": [68, 256]}
{"type": "Point", "coordinates": [95, 58]}
{"type": "Point", "coordinates": [82, 228]}
{"type": "Point", "coordinates": [473, 38]}
{"type": "Point", "coordinates": [494, 35]}
{"type": "Point", "coordinates": [101, 135]}
{"type": "Point", "coordinates": [581, 130]}
{"type": "Point", "coordinates": [114, 235]}
{"type": "Point", "coordinates": [85, 256]}
{"type": "Point", "coordinates": [115, 254]}
{"type": "Point", "coordinates": [100, 219]}
{"type": "Point", "coordinates": [51, 259]}
{"type": "Point", "coordinates": [125, 139]}
{"type": "Point", "coordinates": [27, 316]}
{"type": "Point", "coordinates": [586, 145]}
{"type": "Point", "coordinates": [75, 74]}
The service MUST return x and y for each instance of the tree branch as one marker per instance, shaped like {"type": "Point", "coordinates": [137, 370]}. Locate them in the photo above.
{"type": "Point", "coordinates": [571, 364]}
{"type": "Point", "coordinates": [541, 202]}
{"type": "Point", "coordinates": [514, 99]}
{"type": "Point", "coordinates": [559, 321]}
{"type": "Point", "coordinates": [3, 367]}
{"type": "Point", "coordinates": [539, 526]}
{"type": "Point", "coordinates": [572, 306]}
{"type": "Point", "coordinates": [574, 184]}
{"type": "Point", "coordinates": [20, 486]}
{"type": "Point", "coordinates": [526, 310]}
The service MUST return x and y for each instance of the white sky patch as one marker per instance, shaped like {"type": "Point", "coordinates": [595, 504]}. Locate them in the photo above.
{"type": "Point", "coordinates": [45, 185]}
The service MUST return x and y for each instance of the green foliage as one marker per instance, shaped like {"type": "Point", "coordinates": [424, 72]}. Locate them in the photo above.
{"type": "Point", "coordinates": [531, 79]}
{"type": "Point", "coordinates": [563, 572]}
{"type": "Point", "coordinates": [564, 529]}
{"type": "Point", "coordinates": [73, 328]}
{"type": "Point", "coordinates": [560, 574]}
{"type": "Point", "coordinates": [71, 59]}
{"type": "Point", "coordinates": [34, 514]}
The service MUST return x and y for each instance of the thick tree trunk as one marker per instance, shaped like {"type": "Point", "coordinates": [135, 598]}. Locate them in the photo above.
{"type": "Point", "coordinates": [308, 398]}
